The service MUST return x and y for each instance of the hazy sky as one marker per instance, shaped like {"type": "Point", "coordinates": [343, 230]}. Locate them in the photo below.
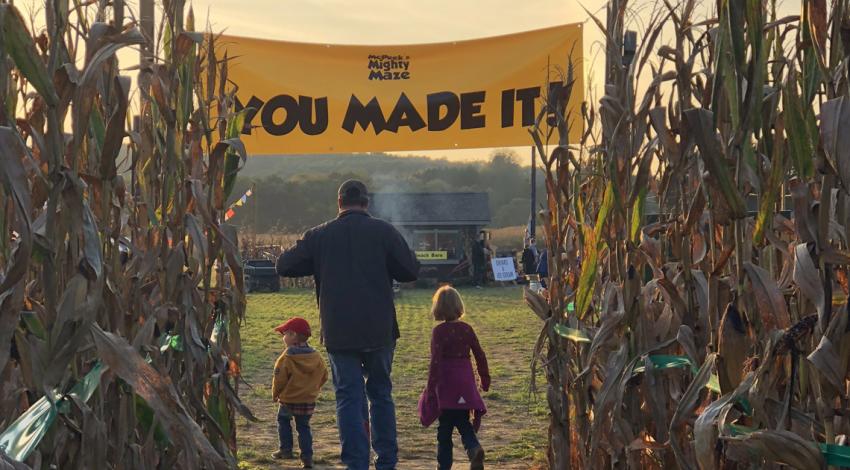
{"type": "Point", "coordinates": [412, 21]}
{"type": "Point", "coordinates": [384, 22]}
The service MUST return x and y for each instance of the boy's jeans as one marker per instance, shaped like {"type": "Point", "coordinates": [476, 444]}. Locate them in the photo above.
{"type": "Point", "coordinates": [449, 420]}
{"type": "Point", "coordinates": [302, 425]}
{"type": "Point", "coordinates": [349, 370]}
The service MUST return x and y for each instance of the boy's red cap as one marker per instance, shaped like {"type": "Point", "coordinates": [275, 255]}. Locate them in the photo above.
{"type": "Point", "coordinates": [296, 324]}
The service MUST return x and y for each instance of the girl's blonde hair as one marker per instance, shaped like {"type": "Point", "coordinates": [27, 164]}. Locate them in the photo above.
{"type": "Point", "coordinates": [447, 304]}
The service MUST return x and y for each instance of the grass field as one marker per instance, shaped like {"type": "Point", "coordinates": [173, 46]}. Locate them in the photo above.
{"type": "Point", "coordinates": [513, 431]}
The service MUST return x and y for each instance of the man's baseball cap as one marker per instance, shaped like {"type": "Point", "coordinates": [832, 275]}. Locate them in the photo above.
{"type": "Point", "coordinates": [353, 192]}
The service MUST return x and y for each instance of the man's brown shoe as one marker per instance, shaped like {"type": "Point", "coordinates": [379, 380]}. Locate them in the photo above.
{"type": "Point", "coordinates": [283, 454]}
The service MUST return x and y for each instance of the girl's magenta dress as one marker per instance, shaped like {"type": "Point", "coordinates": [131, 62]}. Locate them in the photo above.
{"type": "Point", "coordinates": [451, 380]}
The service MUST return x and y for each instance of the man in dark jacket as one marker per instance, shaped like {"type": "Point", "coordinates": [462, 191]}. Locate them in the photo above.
{"type": "Point", "coordinates": [543, 268]}
{"type": "Point", "coordinates": [354, 259]}
{"type": "Point", "coordinates": [479, 259]}
{"type": "Point", "coordinates": [529, 257]}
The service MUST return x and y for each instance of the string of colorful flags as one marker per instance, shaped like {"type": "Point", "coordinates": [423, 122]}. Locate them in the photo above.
{"type": "Point", "coordinates": [239, 203]}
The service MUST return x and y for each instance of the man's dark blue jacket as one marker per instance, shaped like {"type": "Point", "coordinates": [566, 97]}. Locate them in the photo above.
{"type": "Point", "coordinates": [354, 259]}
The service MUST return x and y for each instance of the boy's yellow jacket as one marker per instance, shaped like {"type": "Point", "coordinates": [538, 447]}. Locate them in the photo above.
{"type": "Point", "coordinates": [299, 374]}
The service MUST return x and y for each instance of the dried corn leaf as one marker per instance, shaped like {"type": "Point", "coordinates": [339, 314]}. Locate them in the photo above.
{"type": "Point", "coordinates": [705, 136]}
{"type": "Point", "coordinates": [113, 139]}
{"type": "Point", "coordinates": [537, 303]}
{"type": "Point", "coordinates": [782, 447]}
{"type": "Point", "coordinates": [687, 404]}
{"type": "Point", "coordinates": [20, 46]}
{"type": "Point", "coordinates": [767, 201]}
{"type": "Point", "coordinates": [770, 301]}
{"type": "Point", "coordinates": [159, 393]}
{"type": "Point", "coordinates": [709, 423]}
{"type": "Point", "coordinates": [835, 120]}
{"type": "Point", "coordinates": [830, 355]}
{"type": "Point", "coordinates": [654, 397]}
{"type": "Point", "coordinates": [732, 349]}
{"type": "Point", "coordinates": [13, 178]}
{"type": "Point", "coordinates": [825, 358]}
{"type": "Point", "coordinates": [799, 126]}
{"type": "Point", "coordinates": [808, 280]}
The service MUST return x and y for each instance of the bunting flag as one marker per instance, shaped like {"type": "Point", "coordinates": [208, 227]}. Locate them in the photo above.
{"type": "Point", "coordinates": [239, 203]}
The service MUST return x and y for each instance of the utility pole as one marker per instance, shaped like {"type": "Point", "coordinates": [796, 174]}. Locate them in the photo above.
{"type": "Point", "coordinates": [146, 13]}
{"type": "Point", "coordinates": [629, 47]}
{"type": "Point", "coordinates": [532, 221]}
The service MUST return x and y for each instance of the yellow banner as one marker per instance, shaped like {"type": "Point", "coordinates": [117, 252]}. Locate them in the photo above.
{"type": "Point", "coordinates": [431, 255]}
{"type": "Point", "coordinates": [317, 98]}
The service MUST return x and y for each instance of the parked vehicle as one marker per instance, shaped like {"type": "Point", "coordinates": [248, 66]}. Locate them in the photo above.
{"type": "Point", "coordinates": [260, 274]}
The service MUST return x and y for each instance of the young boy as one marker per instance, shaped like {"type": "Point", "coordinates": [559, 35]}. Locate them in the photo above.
{"type": "Point", "coordinates": [299, 374]}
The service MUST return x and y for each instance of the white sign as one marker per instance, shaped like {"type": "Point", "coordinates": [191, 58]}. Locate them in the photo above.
{"type": "Point", "coordinates": [503, 269]}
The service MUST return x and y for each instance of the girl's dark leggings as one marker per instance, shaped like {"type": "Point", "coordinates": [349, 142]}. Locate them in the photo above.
{"type": "Point", "coordinates": [449, 420]}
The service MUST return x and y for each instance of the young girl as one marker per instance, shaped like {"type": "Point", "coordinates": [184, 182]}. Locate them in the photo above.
{"type": "Point", "coordinates": [451, 393]}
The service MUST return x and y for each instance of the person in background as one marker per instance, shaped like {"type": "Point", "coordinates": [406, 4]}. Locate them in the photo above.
{"type": "Point", "coordinates": [299, 374]}
{"type": "Point", "coordinates": [479, 259]}
{"type": "Point", "coordinates": [529, 257]}
{"type": "Point", "coordinates": [451, 393]}
{"type": "Point", "coordinates": [543, 268]}
{"type": "Point", "coordinates": [354, 260]}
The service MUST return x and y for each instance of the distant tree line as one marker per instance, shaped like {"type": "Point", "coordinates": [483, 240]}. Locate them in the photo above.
{"type": "Point", "coordinates": [287, 202]}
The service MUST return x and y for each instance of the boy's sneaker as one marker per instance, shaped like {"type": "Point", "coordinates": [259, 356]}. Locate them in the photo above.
{"type": "Point", "coordinates": [283, 454]}
{"type": "Point", "coordinates": [476, 458]}
{"type": "Point", "coordinates": [306, 462]}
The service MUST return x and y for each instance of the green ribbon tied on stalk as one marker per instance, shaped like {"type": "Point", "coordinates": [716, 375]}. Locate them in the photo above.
{"type": "Point", "coordinates": [170, 341]}
{"type": "Point", "coordinates": [659, 361]}
{"type": "Point", "coordinates": [667, 361]}
{"type": "Point", "coordinates": [834, 455]}
{"type": "Point", "coordinates": [572, 334]}
{"type": "Point", "coordinates": [25, 433]}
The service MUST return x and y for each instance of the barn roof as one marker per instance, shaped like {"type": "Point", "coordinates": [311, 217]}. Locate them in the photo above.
{"type": "Point", "coordinates": [431, 208]}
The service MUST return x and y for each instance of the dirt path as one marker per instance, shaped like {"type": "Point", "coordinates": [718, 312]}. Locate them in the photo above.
{"type": "Point", "coordinates": [512, 431]}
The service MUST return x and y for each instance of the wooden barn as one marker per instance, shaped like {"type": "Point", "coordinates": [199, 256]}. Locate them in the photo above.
{"type": "Point", "coordinates": [439, 227]}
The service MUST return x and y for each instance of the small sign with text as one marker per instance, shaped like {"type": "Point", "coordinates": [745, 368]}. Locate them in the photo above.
{"type": "Point", "coordinates": [432, 255]}
{"type": "Point", "coordinates": [504, 269]}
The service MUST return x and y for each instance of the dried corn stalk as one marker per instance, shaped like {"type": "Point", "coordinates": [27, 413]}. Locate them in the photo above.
{"type": "Point", "coordinates": [117, 350]}
{"type": "Point", "coordinates": [709, 328]}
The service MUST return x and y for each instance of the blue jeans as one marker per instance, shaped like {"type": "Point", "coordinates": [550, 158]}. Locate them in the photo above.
{"type": "Point", "coordinates": [449, 420]}
{"type": "Point", "coordinates": [353, 414]}
{"type": "Point", "coordinates": [302, 425]}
